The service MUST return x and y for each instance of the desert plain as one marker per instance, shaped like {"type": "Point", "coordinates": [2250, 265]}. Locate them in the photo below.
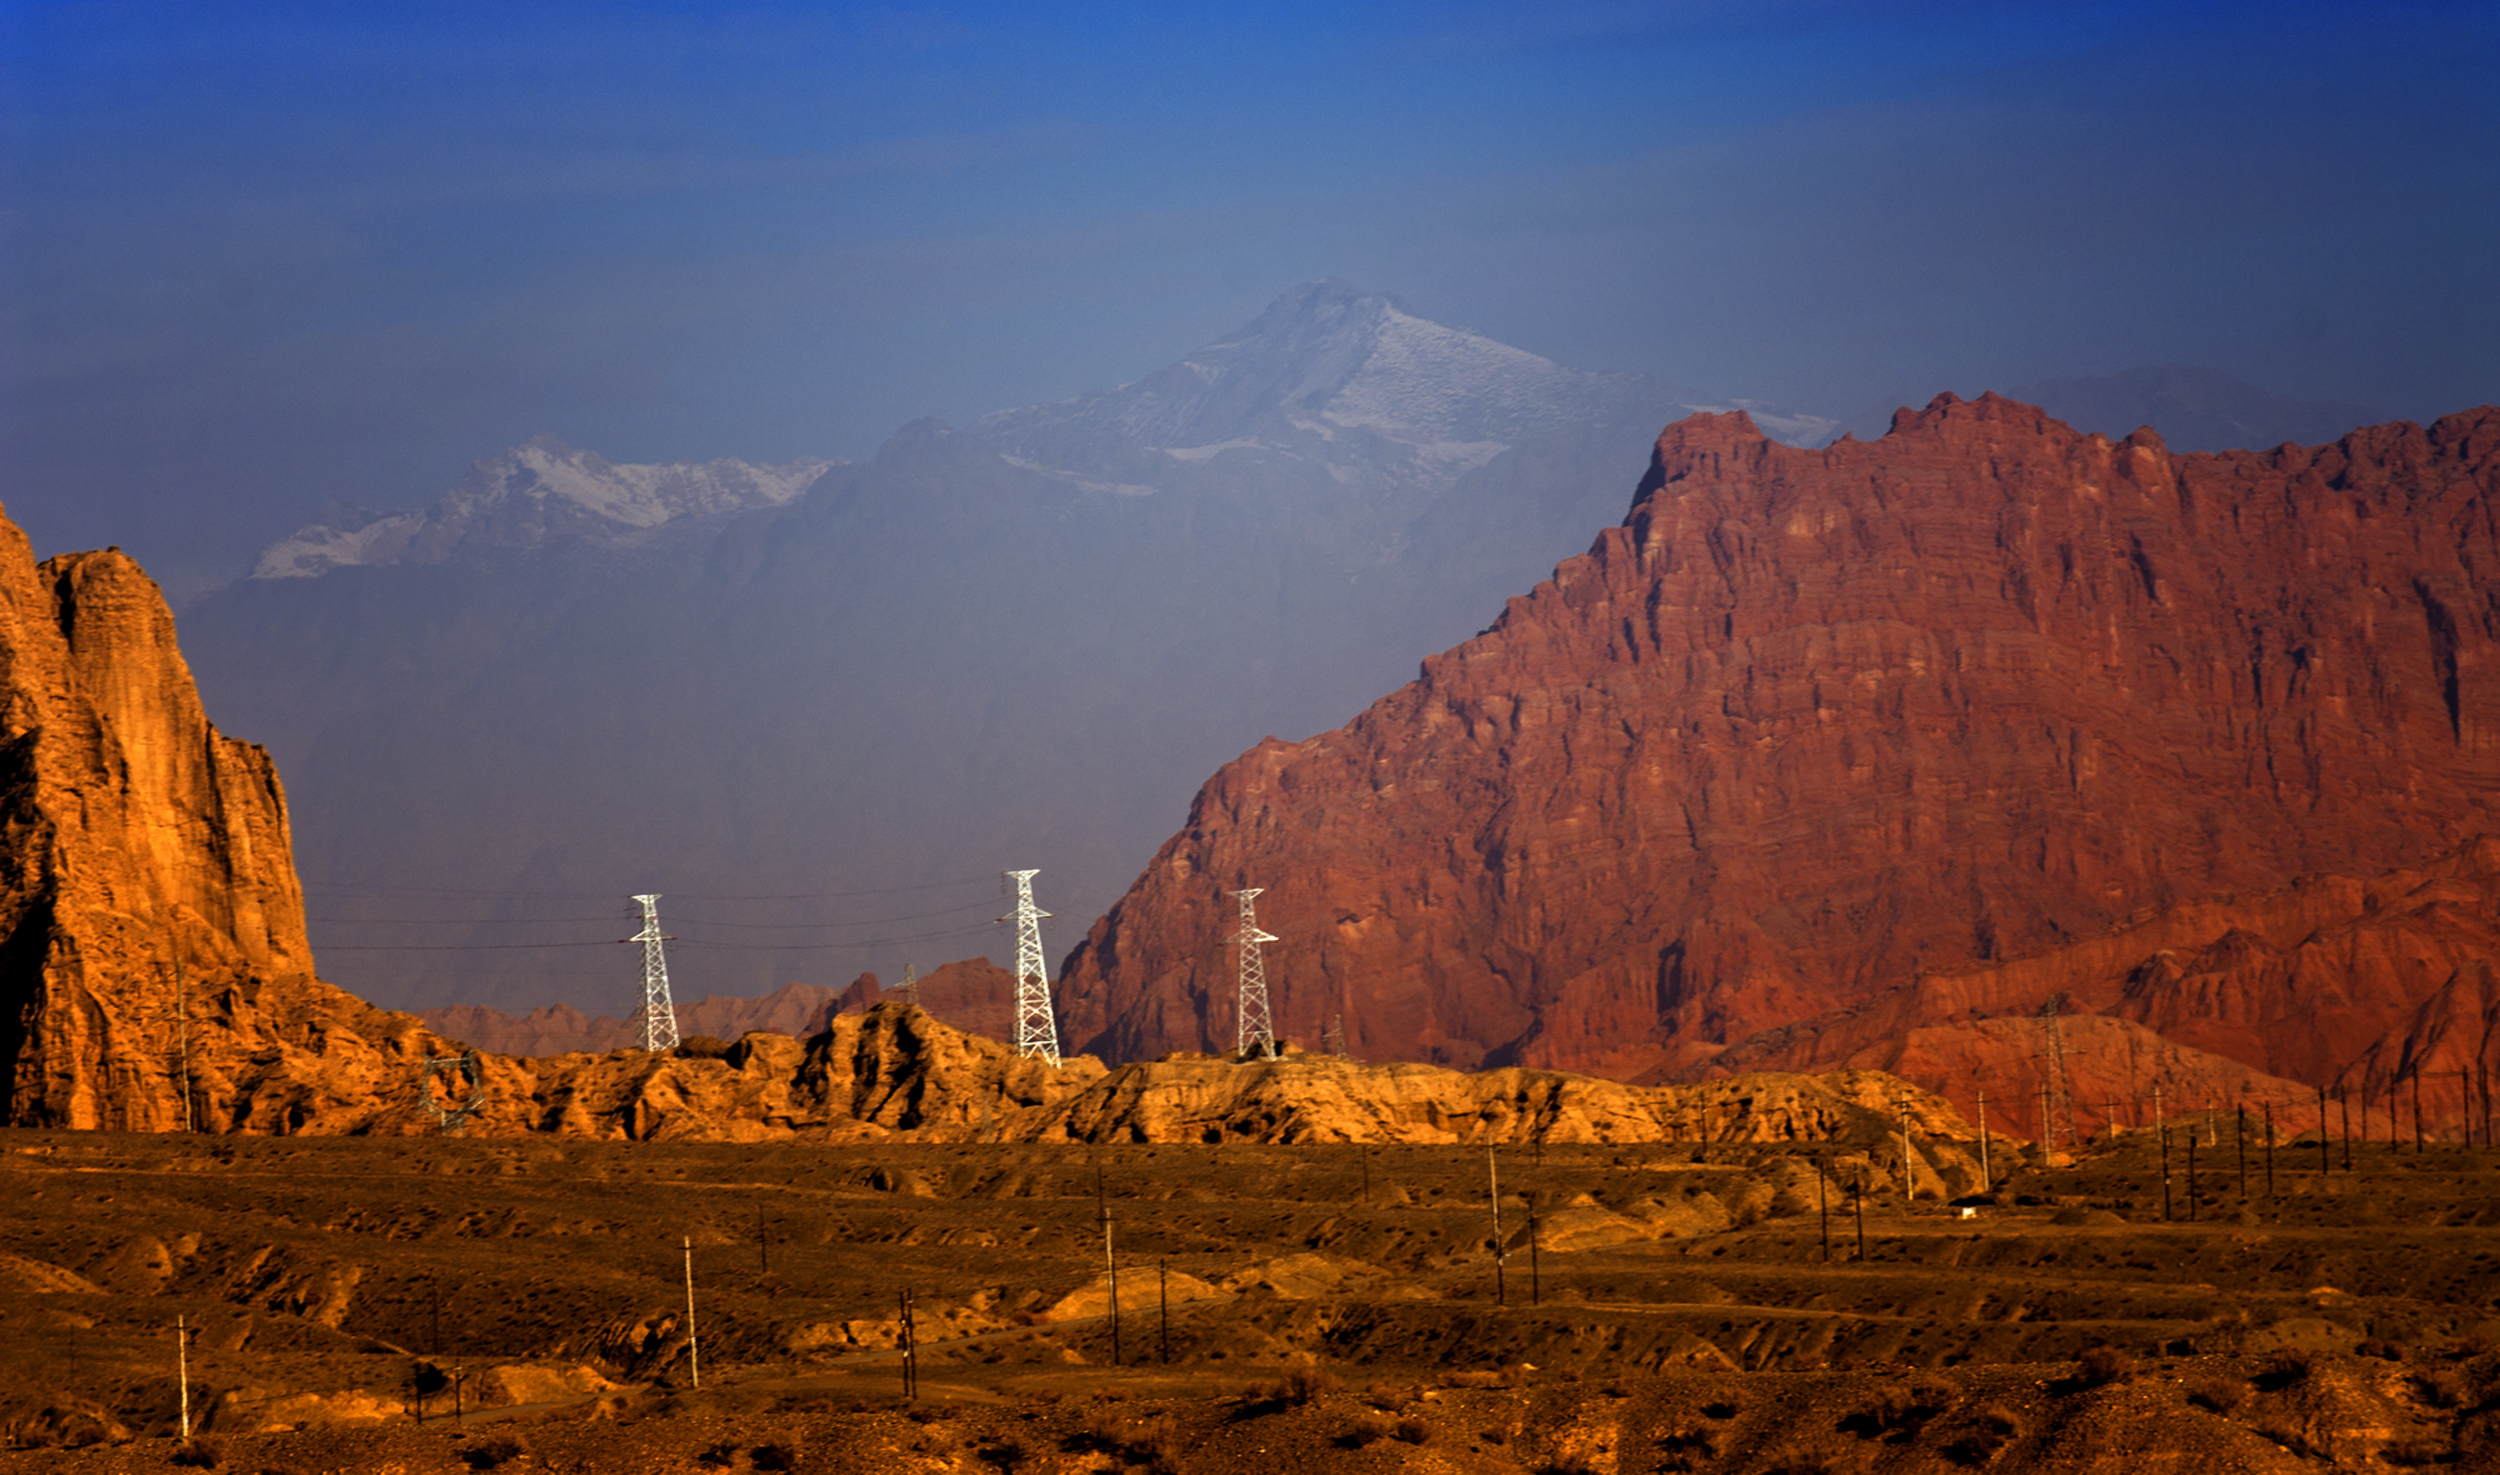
{"type": "Point", "coordinates": [448, 1303]}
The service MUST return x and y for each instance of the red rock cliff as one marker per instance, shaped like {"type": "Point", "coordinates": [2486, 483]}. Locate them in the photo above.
{"type": "Point", "coordinates": [1812, 723]}
{"type": "Point", "coordinates": [150, 920]}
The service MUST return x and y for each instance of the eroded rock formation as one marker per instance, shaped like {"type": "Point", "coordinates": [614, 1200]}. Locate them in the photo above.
{"type": "Point", "coordinates": [151, 928]}
{"type": "Point", "coordinates": [1814, 723]}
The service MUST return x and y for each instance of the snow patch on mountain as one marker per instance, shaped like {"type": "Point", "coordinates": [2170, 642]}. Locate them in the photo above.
{"type": "Point", "coordinates": [532, 494]}
{"type": "Point", "coordinates": [1345, 376]}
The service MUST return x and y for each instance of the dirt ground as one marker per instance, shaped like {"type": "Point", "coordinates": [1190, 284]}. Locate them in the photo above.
{"type": "Point", "coordinates": [1281, 1308]}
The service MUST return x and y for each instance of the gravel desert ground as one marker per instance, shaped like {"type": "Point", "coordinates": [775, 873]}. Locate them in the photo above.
{"type": "Point", "coordinates": [1280, 1307]}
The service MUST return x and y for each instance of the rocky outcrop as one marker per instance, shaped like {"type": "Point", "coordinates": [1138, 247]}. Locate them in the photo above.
{"type": "Point", "coordinates": [974, 995]}
{"type": "Point", "coordinates": [1815, 723]}
{"type": "Point", "coordinates": [150, 922]}
{"type": "Point", "coordinates": [560, 1029]}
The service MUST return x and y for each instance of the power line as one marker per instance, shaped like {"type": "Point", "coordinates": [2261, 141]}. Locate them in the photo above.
{"type": "Point", "coordinates": [592, 895]}
{"type": "Point", "coordinates": [329, 921]}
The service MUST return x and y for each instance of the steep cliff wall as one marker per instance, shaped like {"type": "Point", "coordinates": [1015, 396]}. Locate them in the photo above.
{"type": "Point", "coordinates": [1810, 724]}
{"type": "Point", "coordinates": [147, 865]}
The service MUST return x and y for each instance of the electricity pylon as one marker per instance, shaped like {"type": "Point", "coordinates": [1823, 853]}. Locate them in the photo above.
{"type": "Point", "coordinates": [659, 1014]}
{"type": "Point", "coordinates": [1254, 1027]}
{"type": "Point", "coordinates": [1037, 1032]}
{"type": "Point", "coordinates": [2057, 1111]}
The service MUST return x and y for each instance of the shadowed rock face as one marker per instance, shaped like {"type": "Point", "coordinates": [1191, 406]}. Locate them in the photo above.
{"type": "Point", "coordinates": [1813, 723]}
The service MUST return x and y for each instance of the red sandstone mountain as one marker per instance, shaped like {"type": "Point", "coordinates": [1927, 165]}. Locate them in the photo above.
{"type": "Point", "coordinates": [154, 976]}
{"type": "Point", "coordinates": [1812, 724]}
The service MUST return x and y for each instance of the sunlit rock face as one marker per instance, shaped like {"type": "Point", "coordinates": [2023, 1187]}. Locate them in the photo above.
{"type": "Point", "coordinates": [147, 860]}
{"type": "Point", "coordinates": [1813, 723]}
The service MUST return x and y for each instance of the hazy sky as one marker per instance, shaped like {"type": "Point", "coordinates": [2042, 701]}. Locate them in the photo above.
{"type": "Point", "coordinates": [259, 256]}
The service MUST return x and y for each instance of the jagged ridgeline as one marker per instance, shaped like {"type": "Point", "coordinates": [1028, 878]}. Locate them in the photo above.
{"type": "Point", "coordinates": [157, 978]}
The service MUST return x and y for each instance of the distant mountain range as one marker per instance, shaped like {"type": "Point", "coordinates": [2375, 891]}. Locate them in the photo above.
{"type": "Point", "coordinates": [819, 706]}
{"type": "Point", "coordinates": [532, 495]}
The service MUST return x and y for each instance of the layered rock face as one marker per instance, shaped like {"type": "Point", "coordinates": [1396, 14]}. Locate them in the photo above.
{"type": "Point", "coordinates": [151, 928]}
{"type": "Point", "coordinates": [2361, 986]}
{"type": "Point", "coordinates": [1813, 723]}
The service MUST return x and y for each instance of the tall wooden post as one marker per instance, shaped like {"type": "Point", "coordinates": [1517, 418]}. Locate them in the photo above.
{"type": "Point", "coordinates": [1987, 1180]}
{"type": "Point", "coordinates": [2269, 1151]}
{"type": "Point", "coordinates": [1111, 1272]}
{"type": "Point", "coordinates": [694, 1354]}
{"type": "Point", "coordinates": [2325, 1164]}
{"type": "Point", "coordinates": [1493, 1190]}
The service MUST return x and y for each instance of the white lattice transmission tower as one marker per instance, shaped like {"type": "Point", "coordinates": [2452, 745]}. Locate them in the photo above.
{"type": "Point", "coordinates": [1253, 1026]}
{"type": "Point", "coordinates": [1037, 1031]}
{"type": "Point", "coordinates": [659, 1012]}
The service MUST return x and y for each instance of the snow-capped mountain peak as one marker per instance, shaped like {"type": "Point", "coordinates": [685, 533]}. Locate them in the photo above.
{"type": "Point", "coordinates": [1327, 361]}
{"type": "Point", "coordinates": [533, 493]}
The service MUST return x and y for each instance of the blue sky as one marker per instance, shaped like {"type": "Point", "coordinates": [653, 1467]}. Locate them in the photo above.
{"type": "Point", "coordinates": [257, 257]}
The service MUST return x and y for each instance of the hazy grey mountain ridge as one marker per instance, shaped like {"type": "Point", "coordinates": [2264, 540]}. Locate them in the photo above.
{"type": "Point", "coordinates": [1020, 643]}
{"type": "Point", "coordinates": [533, 494]}
{"type": "Point", "coordinates": [2192, 409]}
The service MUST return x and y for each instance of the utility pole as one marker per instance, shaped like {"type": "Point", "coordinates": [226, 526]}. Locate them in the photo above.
{"type": "Point", "coordinates": [911, 1350]}
{"type": "Point", "coordinates": [2056, 1110]}
{"type": "Point", "coordinates": [694, 1351]}
{"type": "Point", "coordinates": [182, 1365]}
{"type": "Point", "coordinates": [2343, 1104]}
{"type": "Point", "coordinates": [2165, 1173]}
{"type": "Point", "coordinates": [1037, 1029]}
{"type": "Point", "coordinates": [1252, 1027]}
{"type": "Point", "coordinates": [1493, 1189]}
{"type": "Point", "coordinates": [1987, 1179]}
{"type": "Point", "coordinates": [1111, 1272]}
{"type": "Point", "coordinates": [659, 1013]}
{"type": "Point", "coordinates": [2270, 1152]}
